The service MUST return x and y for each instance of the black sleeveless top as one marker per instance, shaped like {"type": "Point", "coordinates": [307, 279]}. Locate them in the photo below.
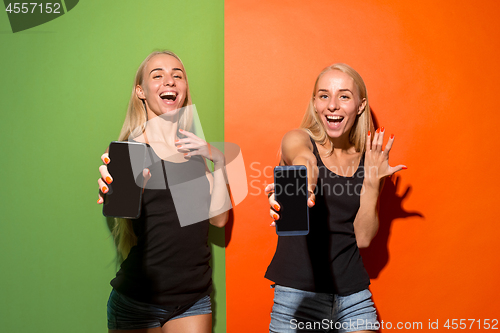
{"type": "Point", "coordinates": [169, 266]}
{"type": "Point", "coordinates": [327, 260]}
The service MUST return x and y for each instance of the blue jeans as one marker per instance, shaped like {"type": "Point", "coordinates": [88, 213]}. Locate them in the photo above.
{"type": "Point", "coordinates": [125, 313]}
{"type": "Point", "coordinates": [304, 311]}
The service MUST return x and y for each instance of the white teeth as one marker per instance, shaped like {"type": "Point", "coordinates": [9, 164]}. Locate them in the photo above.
{"type": "Point", "coordinates": [334, 117]}
{"type": "Point", "coordinates": [168, 93]}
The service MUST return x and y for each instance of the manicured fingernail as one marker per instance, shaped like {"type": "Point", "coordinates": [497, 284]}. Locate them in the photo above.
{"type": "Point", "coordinates": [106, 160]}
{"type": "Point", "coordinates": [181, 130]}
{"type": "Point", "coordinates": [176, 140]}
{"type": "Point", "coordinates": [382, 129]}
{"type": "Point", "coordinates": [186, 154]}
{"type": "Point", "coordinates": [378, 130]}
{"type": "Point", "coordinates": [179, 147]}
{"type": "Point", "coordinates": [109, 180]}
{"type": "Point", "coordinates": [404, 168]}
{"type": "Point", "coordinates": [277, 207]}
{"type": "Point", "coordinates": [99, 200]}
{"type": "Point", "coordinates": [104, 189]}
{"type": "Point", "coordinates": [272, 224]}
{"type": "Point", "coordinates": [392, 136]}
{"type": "Point", "coordinates": [369, 133]}
{"type": "Point", "coordinates": [275, 216]}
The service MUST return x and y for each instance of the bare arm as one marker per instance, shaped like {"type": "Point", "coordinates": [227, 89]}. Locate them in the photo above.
{"type": "Point", "coordinates": [297, 149]}
{"type": "Point", "coordinates": [220, 203]}
{"type": "Point", "coordinates": [377, 168]}
{"type": "Point", "coordinates": [366, 222]}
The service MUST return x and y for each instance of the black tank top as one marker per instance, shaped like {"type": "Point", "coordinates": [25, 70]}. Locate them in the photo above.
{"type": "Point", "coordinates": [327, 260]}
{"type": "Point", "coordinates": [169, 266]}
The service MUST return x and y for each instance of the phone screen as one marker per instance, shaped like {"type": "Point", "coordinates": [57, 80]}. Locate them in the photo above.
{"type": "Point", "coordinates": [124, 197]}
{"type": "Point", "coordinates": [290, 190]}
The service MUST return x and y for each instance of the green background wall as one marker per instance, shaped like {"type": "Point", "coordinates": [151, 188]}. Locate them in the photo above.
{"type": "Point", "coordinates": [65, 87]}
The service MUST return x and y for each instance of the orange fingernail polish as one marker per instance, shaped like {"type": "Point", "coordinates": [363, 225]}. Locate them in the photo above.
{"type": "Point", "coordinates": [176, 141]}
{"type": "Point", "coordinates": [275, 216]}
{"type": "Point", "coordinates": [404, 168]}
{"type": "Point", "coordinates": [369, 133]}
{"type": "Point", "coordinates": [104, 189]}
{"type": "Point", "coordinates": [382, 129]}
{"type": "Point", "coordinates": [392, 136]}
{"type": "Point", "coordinates": [106, 160]}
{"type": "Point", "coordinates": [277, 207]}
{"type": "Point", "coordinates": [108, 180]}
{"type": "Point", "coordinates": [378, 130]}
{"type": "Point", "coordinates": [99, 200]}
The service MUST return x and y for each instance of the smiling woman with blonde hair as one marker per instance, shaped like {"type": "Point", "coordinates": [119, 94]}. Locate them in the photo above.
{"type": "Point", "coordinates": [164, 281]}
{"type": "Point", "coordinates": [320, 278]}
{"type": "Point", "coordinates": [313, 125]}
{"type": "Point", "coordinates": [136, 117]}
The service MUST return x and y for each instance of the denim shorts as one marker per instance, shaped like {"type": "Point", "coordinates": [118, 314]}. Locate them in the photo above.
{"type": "Point", "coordinates": [125, 313]}
{"type": "Point", "coordinates": [304, 311]}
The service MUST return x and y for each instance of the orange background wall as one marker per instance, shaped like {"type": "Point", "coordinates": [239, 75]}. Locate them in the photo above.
{"type": "Point", "coordinates": [432, 72]}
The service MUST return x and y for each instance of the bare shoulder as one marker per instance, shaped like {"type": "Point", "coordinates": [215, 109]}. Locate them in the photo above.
{"type": "Point", "coordinates": [296, 138]}
{"type": "Point", "coordinates": [296, 145]}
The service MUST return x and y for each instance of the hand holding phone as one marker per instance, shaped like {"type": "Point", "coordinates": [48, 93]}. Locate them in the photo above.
{"type": "Point", "coordinates": [290, 191]}
{"type": "Point", "coordinates": [124, 198]}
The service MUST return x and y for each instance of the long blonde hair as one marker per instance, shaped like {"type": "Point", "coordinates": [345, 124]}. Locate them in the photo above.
{"type": "Point", "coordinates": [134, 125]}
{"type": "Point", "coordinates": [311, 123]}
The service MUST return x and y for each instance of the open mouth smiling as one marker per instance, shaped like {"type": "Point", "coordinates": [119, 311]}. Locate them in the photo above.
{"type": "Point", "coordinates": [169, 96]}
{"type": "Point", "coordinates": [334, 119]}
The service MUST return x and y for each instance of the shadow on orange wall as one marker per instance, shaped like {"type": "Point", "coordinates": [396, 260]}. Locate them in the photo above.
{"type": "Point", "coordinates": [376, 257]}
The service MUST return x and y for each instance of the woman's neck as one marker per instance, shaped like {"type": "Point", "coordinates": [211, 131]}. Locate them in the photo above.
{"type": "Point", "coordinates": [162, 129]}
{"type": "Point", "coordinates": [341, 145]}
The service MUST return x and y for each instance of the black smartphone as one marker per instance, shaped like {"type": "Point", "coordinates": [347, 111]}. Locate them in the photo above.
{"type": "Point", "coordinates": [124, 198]}
{"type": "Point", "coordinates": [290, 191]}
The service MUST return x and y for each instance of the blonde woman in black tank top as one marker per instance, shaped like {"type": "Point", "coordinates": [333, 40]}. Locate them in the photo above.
{"type": "Point", "coordinates": [164, 282]}
{"type": "Point", "coordinates": [321, 283]}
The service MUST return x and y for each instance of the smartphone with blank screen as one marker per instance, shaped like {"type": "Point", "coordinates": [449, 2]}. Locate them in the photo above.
{"type": "Point", "coordinates": [124, 198]}
{"type": "Point", "coordinates": [290, 191]}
